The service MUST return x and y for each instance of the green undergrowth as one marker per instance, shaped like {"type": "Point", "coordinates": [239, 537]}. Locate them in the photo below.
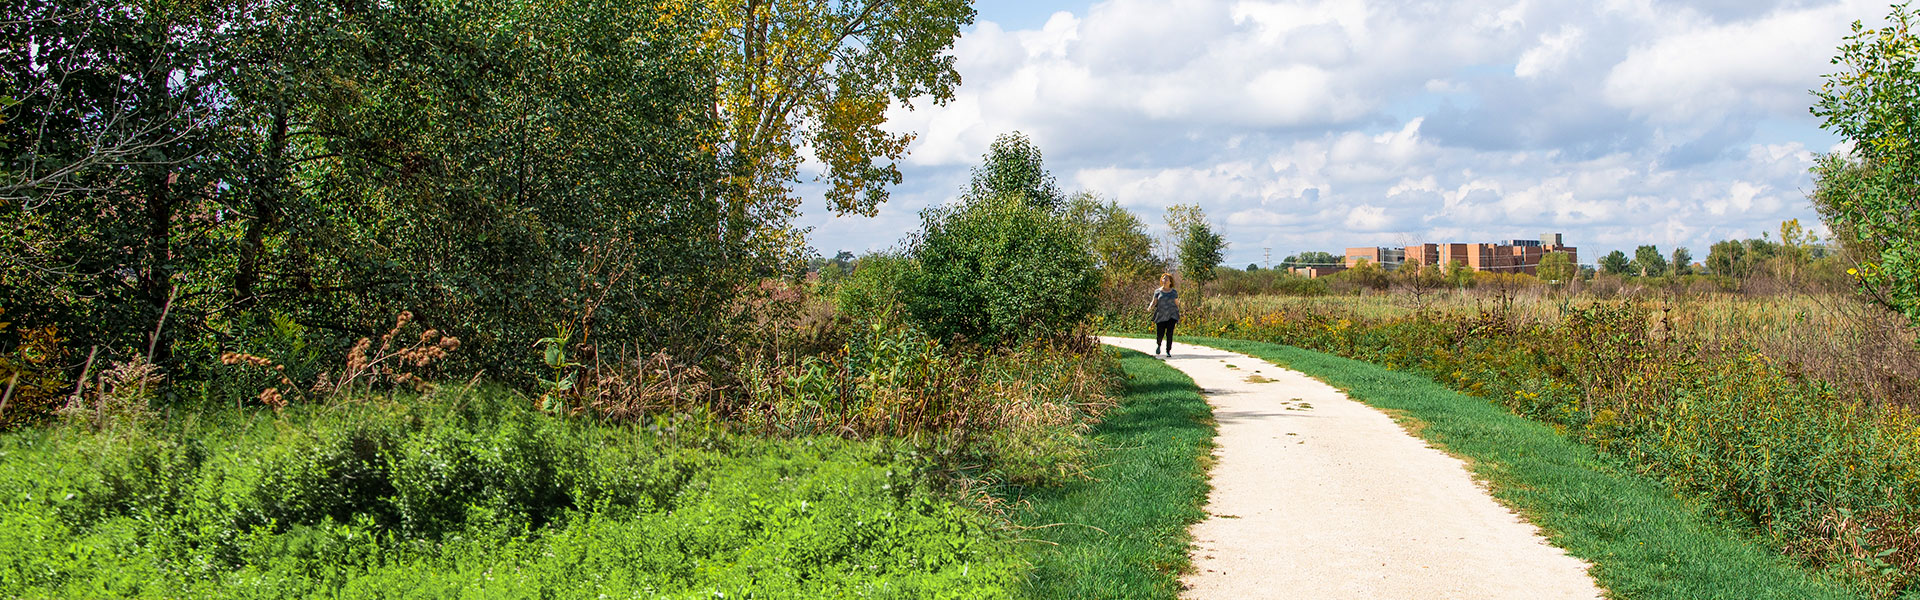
{"type": "Point", "coordinates": [1643, 541]}
{"type": "Point", "coordinates": [1124, 532]}
{"type": "Point", "coordinates": [471, 495]}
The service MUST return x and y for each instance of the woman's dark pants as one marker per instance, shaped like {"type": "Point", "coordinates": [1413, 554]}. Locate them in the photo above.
{"type": "Point", "coordinates": [1164, 331]}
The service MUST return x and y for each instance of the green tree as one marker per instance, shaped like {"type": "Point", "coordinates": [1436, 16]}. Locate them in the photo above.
{"type": "Point", "coordinates": [1459, 274]}
{"type": "Point", "coordinates": [1682, 261]}
{"type": "Point", "coordinates": [1121, 247]}
{"type": "Point", "coordinates": [1616, 263]}
{"type": "Point", "coordinates": [1868, 198]}
{"type": "Point", "coordinates": [999, 271]}
{"type": "Point", "coordinates": [1556, 267]}
{"type": "Point", "coordinates": [1251, 267]}
{"type": "Point", "coordinates": [1368, 275]}
{"type": "Point", "coordinates": [1311, 259]}
{"type": "Point", "coordinates": [820, 75]}
{"type": "Point", "coordinates": [1648, 262]}
{"type": "Point", "coordinates": [1014, 167]}
{"type": "Point", "coordinates": [491, 166]}
{"type": "Point", "coordinates": [1740, 258]}
{"type": "Point", "coordinates": [1200, 251]}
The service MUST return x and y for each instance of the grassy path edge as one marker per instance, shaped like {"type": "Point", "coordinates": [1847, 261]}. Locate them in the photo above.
{"type": "Point", "coordinates": [1126, 532]}
{"type": "Point", "coordinates": [1642, 540]}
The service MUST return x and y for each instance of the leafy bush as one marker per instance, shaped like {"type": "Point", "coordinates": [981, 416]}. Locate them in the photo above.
{"type": "Point", "coordinates": [1000, 271]}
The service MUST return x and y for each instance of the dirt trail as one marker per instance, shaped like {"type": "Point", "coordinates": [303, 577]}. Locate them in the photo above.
{"type": "Point", "coordinates": [1318, 496]}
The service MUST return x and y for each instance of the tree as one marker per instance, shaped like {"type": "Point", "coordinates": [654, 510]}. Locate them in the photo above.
{"type": "Point", "coordinates": [1459, 275]}
{"type": "Point", "coordinates": [1740, 258]}
{"type": "Point", "coordinates": [1251, 267]}
{"type": "Point", "coordinates": [1616, 263]}
{"type": "Point", "coordinates": [1682, 261]}
{"type": "Point", "coordinates": [1367, 274]}
{"type": "Point", "coordinates": [1200, 251]}
{"type": "Point", "coordinates": [1870, 197]}
{"type": "Point", "coordinates": [1420, 280]}
{"type": "Point", "coordinates": [493, 167]}
{"type": "Point", "coordinates": [821, 75]}
{"type": "Point", "coordinates": [1648, 261]}
{"type": "Point", "coordinates": [1014, 167]}
{"type": "Point", "coordinates": [1311, 259]}
{"type": "Point", "coordinates": [1000, 271]}
{"type": "Point", "coordinates": [1556, 267]}
{"type": "Point", "coordinates": [1122, 250]}
{"type": "Point", "coordinates": [1180, 219]}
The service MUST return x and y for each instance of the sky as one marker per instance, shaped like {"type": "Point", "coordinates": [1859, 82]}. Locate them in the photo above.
{"type": "Point", "coordinates": [1323, 124]}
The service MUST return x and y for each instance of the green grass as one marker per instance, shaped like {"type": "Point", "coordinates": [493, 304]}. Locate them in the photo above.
{"type": "Point", "coordinates": [475, 495]}
{"type": "Point", "coordinates": [1123, 534]}
{"type": "Point", "coordinates": [1644, 542]}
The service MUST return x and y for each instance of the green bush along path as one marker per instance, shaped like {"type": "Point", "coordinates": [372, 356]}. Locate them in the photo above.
{"type": "Point", "coordinates": [1122, 533]}
{"type": "Point", "coordinates": [1643, 542]}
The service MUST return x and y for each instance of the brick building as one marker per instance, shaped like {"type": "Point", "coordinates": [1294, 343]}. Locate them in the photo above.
{"type": "Point", "coordinates": [1510, 256]}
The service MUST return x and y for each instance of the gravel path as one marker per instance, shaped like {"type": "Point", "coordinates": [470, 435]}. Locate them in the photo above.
{"type": "Point", "coordinates": [1316, 496]}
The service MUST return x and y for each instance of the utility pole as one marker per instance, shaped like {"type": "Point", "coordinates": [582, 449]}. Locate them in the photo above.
{"type": "Point", "coordinates": [1269, 254]}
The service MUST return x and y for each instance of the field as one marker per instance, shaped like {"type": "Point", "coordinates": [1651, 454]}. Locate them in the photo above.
{"type": "Point", "coordinates": [1788, 417]}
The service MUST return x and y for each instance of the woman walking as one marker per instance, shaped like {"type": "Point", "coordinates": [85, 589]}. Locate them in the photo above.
{"type": "Point", "coordinates": [1165, 309]}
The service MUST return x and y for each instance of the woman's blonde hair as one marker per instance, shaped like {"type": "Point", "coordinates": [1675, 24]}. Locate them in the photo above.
{"type": "Point", "coordinates": [1166, 280]}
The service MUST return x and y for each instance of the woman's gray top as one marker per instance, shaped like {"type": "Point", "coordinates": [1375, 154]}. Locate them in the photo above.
{"type": "Point", "coordinates": [1164, 307]}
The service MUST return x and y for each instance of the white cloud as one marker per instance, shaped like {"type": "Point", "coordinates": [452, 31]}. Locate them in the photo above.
{"type": "Point", "coordinates": [1553, 51]}
{"type": "Point", "coordinates": [1321, 124]}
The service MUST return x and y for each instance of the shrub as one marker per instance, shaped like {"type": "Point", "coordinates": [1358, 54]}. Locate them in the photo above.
{"type": "Point", "coordinates": [1000, 271]}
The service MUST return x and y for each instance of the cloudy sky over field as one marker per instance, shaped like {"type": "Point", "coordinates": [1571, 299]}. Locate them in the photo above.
{"type": "Point", "coordinates": [1321, 124]}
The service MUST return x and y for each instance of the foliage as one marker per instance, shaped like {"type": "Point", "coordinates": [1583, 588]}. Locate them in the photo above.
{"type": "Point", "coordinates": [1648, 262]}
{"type": "Point", "coordinates": [1868, 198]}
{"type": "Point", "coordinates": [1616, 263]}
{"type": "Point", "coordinates": [34, 383]}
{"type": "Point", "coordinates": [1013, 167]}
{"type": "Point", "coordinates": [1365, 275]}
{"type": "Point", "coordinates": [873, 290]}
{"type": "Point", "coordinates": [475, 493]}
{"type": "Point", "coordinates": [494, 167]}
{"type": "Point", "coordinates": [1311, 259]}
{"type": "Point", "coordinates": [1682, 261]}
{"type": "Point", "coordinates": [796, 74]}
{"type": "Point", "coordinates": [1232, 282]}
{"type": "Point", "coordinates": [1000, 271]}
{"type": "Point", "coordinates": [1121, 247]}
{"type": "Point", "coordinates": [1557, 267]}
{"type": "Point", "coordinates": [1740, 258]}
{"type": "Point", "coordinates": [1200, 251]}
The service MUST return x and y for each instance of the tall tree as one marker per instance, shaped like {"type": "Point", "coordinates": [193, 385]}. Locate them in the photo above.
{"type": "Point", "coordinates": [1648, 261]}
{"type": "Point", "coordinates": [1014, 167]}
{"type": "Point", "coordinates": [1871, 198]}
{"type": "Point", "coordinates": [1200, 251]}
{"type": "Point", "coordinates": [798, 75]}
{"type": "Point", "coordinates": [1616, 263]}
{"type": "Point", "coordinates": [1682, 261]}
{"type": "Point", "coordinates": [1311, 259]}
{"type": "Point", "coordinates": [1119, 241]}
{"type": "Point", "coordinates": [1556, 267]}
